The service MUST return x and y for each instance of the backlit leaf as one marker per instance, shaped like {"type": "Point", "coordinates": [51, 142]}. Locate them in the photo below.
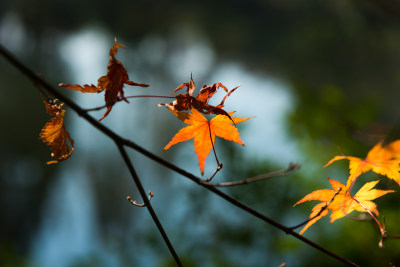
{"type": "Point", "coordinates": [340, 202]}
{"type": "Point", "coordinates": [380, 159]}
{"type": "Point", "coordinates": [204, 131]}
{"type": "Point", "coordinates": [54, 134]}
{"type": "Point", "coordinates": [112, 83]}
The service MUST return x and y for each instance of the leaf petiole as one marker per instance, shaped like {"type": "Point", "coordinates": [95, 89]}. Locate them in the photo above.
{"type": "Point", "coordinates": [120, 99]}
{"type": "Point", "coordinates": [215, 154]}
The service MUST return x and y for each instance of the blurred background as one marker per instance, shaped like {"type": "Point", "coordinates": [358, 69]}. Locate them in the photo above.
{"type": "Point", "coordinates": [321, 79]}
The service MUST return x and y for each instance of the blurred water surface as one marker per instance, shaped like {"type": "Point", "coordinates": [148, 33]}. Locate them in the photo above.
{"type": "Point", "coordinates": [319, 79]}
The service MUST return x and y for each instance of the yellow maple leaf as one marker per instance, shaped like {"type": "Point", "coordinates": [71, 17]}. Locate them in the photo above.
{"type": "Point", "coordinates": [204, 131]}
{"type": "Point", "coordinates": [54, 134]}
{"type": "Point", "coordinates": [340, 202]}
{"type": "Point", "coordinates": [380, 159]}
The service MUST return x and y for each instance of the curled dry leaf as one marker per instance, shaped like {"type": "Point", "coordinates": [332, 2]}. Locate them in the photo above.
{"type": "Point", "coordinates": [380, 159]}
{"type": "Point", "coordinates": [204, 131]}
{"type": "Point", "coordinates": [54, 134]}
{"type": "Point", "coordinates": [200, 102]}
{"type": "Point", "coordinates": [342, 203]}
{"type": "Point", "coordinates": [112, 83]}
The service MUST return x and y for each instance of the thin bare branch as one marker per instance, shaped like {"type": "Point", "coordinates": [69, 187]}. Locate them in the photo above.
{"type": "Point", "coordinates": [386, 236]}
{"type": "Point", "coordinates": [147, 201]}
{"type": "Point", "coordinates": [133, 202]}
{"type": "Point", "coordinates": [125, 142]}
{"type": "Point", "coordinates": [292, 167]}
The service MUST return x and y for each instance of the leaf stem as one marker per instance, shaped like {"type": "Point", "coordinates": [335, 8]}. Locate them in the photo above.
{"type": "Point", "coordinates": [215, 154]}
{"type": "Point", "coordinates": [212, 143]}
{"type": "Point", "coordinates": [133, 96]}
{"type": "Point", "coordinates": [381, 229]}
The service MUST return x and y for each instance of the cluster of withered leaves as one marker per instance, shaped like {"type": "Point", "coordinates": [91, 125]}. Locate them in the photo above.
{"type": "Point", "coordinates": [200, 128]}
{"type": "Point", "coordinates": [112, 83]}
{"type": "Point", "coordinates": [54, 134]}
{"type": "Point", "coordinates": [384, 160]}
{"type": "Point", "coordinates": [187, 101]}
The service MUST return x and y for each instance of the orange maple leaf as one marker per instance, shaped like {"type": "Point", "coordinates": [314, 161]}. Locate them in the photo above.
{"type": "Point", "coordinates": [380, 159]}
{"type": "Point", "coordinates": [54, 134]}
{"type": "Point", "coordinates": [204, 131]}
{"type": "Point", "coordinates": [340, 202]}
{"type": "Point", "coordinates": [200, 102]}
{"type": "Point", "coordinates": [112, 83]}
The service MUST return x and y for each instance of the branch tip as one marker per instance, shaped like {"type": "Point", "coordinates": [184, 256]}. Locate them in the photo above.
{"type": "Point", "coordinates": [133, 202]}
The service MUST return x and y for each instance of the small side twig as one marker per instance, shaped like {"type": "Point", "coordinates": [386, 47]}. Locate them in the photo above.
{"type": "Point", "coordinates": [133, 202]}
{"type": "Point", "coordinates": [292, 167]}
{"type": "Point", "coordinates": [385, 235]}
{"type": "Point", "coordinates": [319, 212]}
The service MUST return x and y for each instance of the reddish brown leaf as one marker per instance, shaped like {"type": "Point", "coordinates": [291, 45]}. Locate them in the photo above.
{"type": "Point", "coordinates": [84, 89]}
{"type": "Point", "coordinates": [200, 102]}
{"type": "Point", "coordinates": [54, 134]}
{"type": "Point", "coordinates": [207, 92]}
{"type": "Point", "coordinates": [112, 83]}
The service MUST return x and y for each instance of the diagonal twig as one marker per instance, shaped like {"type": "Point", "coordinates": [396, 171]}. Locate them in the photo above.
{"type": "Point", "coordinates": [125, 142]}
{"type": "Point", "coordinates": [146, 201]}
{"type": "Point", "coordinates": [292, 167]}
